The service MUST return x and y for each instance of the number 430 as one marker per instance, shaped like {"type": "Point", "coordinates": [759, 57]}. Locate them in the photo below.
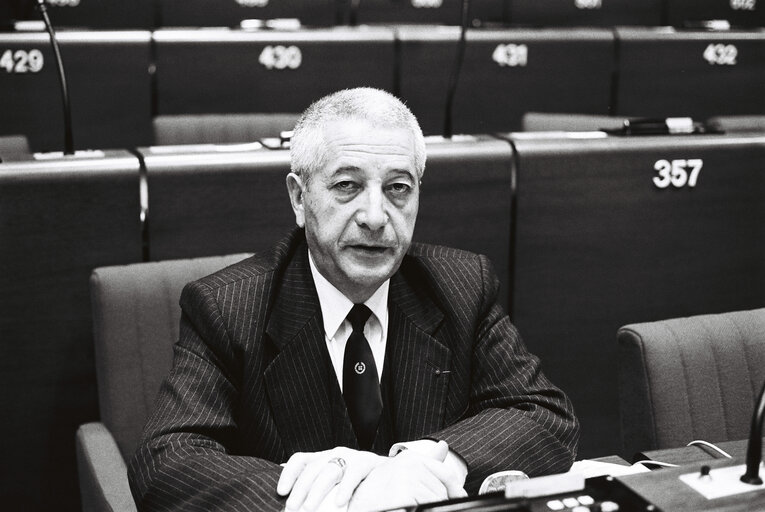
{"type": "Point", "coordinates": [677, 173]}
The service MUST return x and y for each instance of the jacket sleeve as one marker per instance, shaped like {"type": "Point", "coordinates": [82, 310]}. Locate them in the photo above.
{"type": "Point", "coordinates": [516, 419]}
{"type": "Point", "coordinates": [186, 458]}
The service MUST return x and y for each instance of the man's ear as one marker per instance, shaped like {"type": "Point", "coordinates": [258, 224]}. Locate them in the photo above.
{"type": "Point", "coordinates": [295, 189]}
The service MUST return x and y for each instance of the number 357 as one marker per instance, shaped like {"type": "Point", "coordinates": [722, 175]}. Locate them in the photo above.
{"type": "Point", "coordinates": [678, 173]}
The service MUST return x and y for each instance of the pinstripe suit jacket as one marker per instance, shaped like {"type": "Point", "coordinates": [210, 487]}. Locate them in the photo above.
{"type": "Point", "coordinates": [252, 381]}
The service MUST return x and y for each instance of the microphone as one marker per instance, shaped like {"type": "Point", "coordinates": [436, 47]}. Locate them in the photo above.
{"type": "Point", "coordinates": [68, 138]}
{"type": "Point", "coordinates": [455, 75]}
{"type": "Point", "coordinates": [754, 448]}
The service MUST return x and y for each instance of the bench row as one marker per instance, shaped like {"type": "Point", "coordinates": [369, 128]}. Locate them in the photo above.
{"type": "Point", "coordinates": [155, 13]}
{"type": "Point", "coordinates": [134, 88]}
{"type": "Point", "coordinates": [587, 231]}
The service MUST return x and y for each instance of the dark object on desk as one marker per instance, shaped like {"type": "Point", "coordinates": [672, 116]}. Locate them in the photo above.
{"type": "Point", "coordinates": [689, 378]}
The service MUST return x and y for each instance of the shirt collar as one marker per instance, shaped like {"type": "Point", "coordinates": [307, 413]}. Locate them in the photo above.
{"type": "Point", "coordinates": [335, 306]}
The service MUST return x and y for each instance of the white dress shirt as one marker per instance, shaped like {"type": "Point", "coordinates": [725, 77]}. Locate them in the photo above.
{"type": "Point", "coordinates": [337, 329]}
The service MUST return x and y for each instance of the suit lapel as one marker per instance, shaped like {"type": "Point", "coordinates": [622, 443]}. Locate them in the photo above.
{"type": "Point", "coordinates": [417, 365]}
{"type": "Point", "coordinates": [302, 388]}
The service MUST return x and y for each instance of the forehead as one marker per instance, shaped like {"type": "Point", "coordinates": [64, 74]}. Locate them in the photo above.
{"type": "Point", "coordinates": [358, 143]}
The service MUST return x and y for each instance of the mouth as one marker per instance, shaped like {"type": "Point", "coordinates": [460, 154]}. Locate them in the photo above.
{"type": "Point", "coordinates": [369, 249]}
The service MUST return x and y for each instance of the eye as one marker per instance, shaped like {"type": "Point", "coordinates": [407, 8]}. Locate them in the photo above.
{"type": "Point", "coordinates": [398, 189]}
{"type": "Point", "coordinates": [346, 187]}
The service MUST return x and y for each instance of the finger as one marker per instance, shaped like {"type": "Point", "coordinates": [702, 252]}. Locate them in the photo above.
{"type": "Point", "coordinates": [355, 473]}
{"type": "Point", "coordinates": [428, 481]}
{"type": "Point", "coordinates": [441, 450]}
{"type": "Point", "coordinates": [324, 482]}
{"type": "Point", "coordinates": [291, 472]}
{"type": "Point", "coordinates": [303, 484]}
{"type": "Point", "coordinates": [352, 478]}
{"type": "Point", "coordinates": [446, 476]}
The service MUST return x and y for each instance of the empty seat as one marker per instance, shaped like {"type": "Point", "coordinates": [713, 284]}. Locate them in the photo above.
{"type": "Point", "coordinates": [506, 72]}
{"type": "Point", "coordinates": [690, 378]}
{"type": "Point", "coordinates": [136, 319]}
{"type": "Point", "coordinates": [219, 128]}
{"type": "Point", "coordinates": [109, 86]}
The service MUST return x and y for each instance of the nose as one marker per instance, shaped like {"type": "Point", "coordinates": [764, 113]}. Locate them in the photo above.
{"type": "Point", "coordinates": [372, 214]}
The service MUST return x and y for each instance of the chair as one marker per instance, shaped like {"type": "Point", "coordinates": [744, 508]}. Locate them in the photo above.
{"type": "Point", "coordinates": [689, 378]}
{"type": "Point", "coordinates": [13, 145]}
{"type": "Point", "coordinates": [220, 128]}
{"type": "Point", "coordinates": [135, 323]}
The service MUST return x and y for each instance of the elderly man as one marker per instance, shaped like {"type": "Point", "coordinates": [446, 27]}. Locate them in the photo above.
{"type": "Point", "coordinates": [348, 367]}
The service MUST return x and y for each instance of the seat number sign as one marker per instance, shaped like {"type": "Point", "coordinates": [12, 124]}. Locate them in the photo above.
{"type": "Point", "coordinates": [679, 173]}
{"type": "Point", "coordinates": [21, 61]}
{"type": "Point", "coordinates": [281, 57]}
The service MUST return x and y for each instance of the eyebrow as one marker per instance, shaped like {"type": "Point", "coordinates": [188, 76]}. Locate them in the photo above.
{"type": "Point", "coordinates": [354, 169]}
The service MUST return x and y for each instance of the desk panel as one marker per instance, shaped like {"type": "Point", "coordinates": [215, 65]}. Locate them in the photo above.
{"type": "Point", "coordinates": [109, 86]}
{"type": "Point", "coordinates": [237, 71]}
{"type": "Point", "coordinates": [59, 219]}
{"type": "Point", "coordinates": [505, 74]}
{"type": "Point", "coordinates": [466, 200]}
{"type": "Point", "coordinates": [665, 72]}
{"type": "Point", "coordinates": [211, 200]}
{"type": "Point", "coordinates": [598, 245]}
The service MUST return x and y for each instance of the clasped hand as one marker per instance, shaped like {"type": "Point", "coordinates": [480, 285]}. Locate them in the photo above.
{"type": "Point", "coordinates": [368, 481]}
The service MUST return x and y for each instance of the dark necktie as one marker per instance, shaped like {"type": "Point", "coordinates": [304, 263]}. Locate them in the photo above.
{"type": "Point", "coordinates": [361, 388]}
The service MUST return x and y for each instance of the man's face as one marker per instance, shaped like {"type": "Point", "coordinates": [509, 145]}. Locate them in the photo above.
{"type": "Point", "coordinates": [359, 210]}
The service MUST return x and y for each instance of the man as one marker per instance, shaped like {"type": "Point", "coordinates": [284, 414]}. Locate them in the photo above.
{"type": "Point", "coordinates": [348, 366]}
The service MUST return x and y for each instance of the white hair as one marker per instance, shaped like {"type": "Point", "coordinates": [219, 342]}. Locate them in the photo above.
{"type": "Point", "coordinates": [308, 150]}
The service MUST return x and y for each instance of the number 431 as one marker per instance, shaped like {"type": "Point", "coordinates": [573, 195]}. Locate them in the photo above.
{"type": "Point", "coordinates": [677, 173]}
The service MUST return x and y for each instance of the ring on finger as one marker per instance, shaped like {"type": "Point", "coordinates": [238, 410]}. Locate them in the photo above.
{"type": "Point", "coordinates": [341, 464]}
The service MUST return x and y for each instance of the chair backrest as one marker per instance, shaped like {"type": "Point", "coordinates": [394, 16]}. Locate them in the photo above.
{"type": "Point", "coordinates": [690, 378]}
{"type": "Point", "coordinates": [135, 324]}
{"type": "Point", "coordinates": [220, 128]}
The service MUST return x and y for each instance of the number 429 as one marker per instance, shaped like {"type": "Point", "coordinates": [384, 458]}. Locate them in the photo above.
{"type": "Point", "coordinates": [677, 173]}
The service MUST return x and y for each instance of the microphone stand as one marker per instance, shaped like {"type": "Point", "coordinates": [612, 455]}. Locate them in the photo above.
{"type": "Point", "coordinates": [454, 77]}
{"type": "Point", "coordinates": [754, 448]}
{"type": "Point", "coordinates": [68, 138]}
